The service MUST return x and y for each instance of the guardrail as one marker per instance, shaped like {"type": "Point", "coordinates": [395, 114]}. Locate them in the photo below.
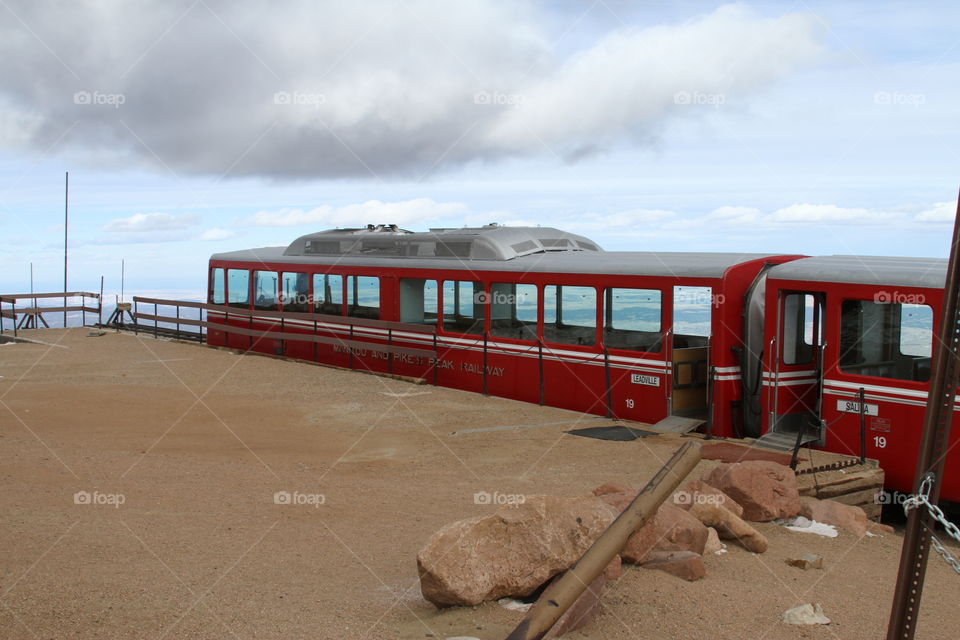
{"type": "Point", "coordinates": [32, 316]}
{"type": "Point", "coordinates": [173, 324]}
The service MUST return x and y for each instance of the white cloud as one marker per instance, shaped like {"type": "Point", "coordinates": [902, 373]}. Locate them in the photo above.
{"type": "Point", "coordinates": [827, 213]}
{"type": "Point", "coordinates": [369, 212]}
{"type": "Point", "coordinates": [144, 222]}
{"type": "Point", "coordinates": [375, 87]}
{"type": "Point", "coordinates": [217, 234]}
{"type": "Point", "coordinates": [939, 212]}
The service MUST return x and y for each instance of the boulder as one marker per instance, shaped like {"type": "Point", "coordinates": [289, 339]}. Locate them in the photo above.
{"type": "Point", "coordinates": [699, 492]}
{"type": "Point", "coordinates": [713, 542]}
{"type": "Point", "coordinates": [850, 518]}
{"type": "Point", "coordinates": [805, 614]}
{"type": "Point", "coordinates": [511, 552]}
{"type": "Point", "coordinates": [682, 564]}
{"type": "Point", "coordinates": [765, 490]}
{"type": "Point", "coordinates": [729, 526]}
{"type": "Point", "coordinates": [614, 570]}
{"type": "Point", "coordinates": [619, 496]}
{"type": "Point", "coordinates": [670, 529]}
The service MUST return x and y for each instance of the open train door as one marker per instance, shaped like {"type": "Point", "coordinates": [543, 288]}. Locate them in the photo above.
{"type": "Point", "coordinates": [794, 374]}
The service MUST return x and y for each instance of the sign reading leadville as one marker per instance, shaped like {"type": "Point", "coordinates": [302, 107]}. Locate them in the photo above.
{"type": "Point", "coordinates": [642, 378]}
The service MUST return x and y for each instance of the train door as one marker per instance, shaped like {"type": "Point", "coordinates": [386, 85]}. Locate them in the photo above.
{"type": "Point", "coordinates": [689, 384]}
{"type": "Point", "coordinates": [795, 379]}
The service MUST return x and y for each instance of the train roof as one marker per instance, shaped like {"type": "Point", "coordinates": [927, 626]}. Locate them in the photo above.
{"type": "Point", "coordinates": [666, 264]}
{"type": "Point", "coordinates": [873, 270]}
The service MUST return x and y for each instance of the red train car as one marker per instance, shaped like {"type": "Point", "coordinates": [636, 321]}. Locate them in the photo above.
{"type": "Point", "coordinates": [841, 328]}
{"type": "Point", "coordinates": [748, 344]}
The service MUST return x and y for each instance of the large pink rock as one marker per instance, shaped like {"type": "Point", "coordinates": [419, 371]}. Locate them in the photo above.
{"type": "Point", "coordinates": [619, 496]}
{"type": "Point", "coordinates": [765, 490]}
{"type": "Point", "coordinates": [511, 552]}
{"type": "Point", "coordinates": [845, 516]}
{"type": "Point", "coordinates": [670, 529]}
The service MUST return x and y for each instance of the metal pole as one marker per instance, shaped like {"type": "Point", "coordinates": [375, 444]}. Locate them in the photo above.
{"type": "Point", "coordinates": [66, 227]}
{"type": "Point", "coordinates": [933, 451]}
{"type": "Point", "coordinates": [560, 595]}
{"type": "Point", "coordinates": [863, 425]}
{"type": "Point", "coordinates": [100, 304]}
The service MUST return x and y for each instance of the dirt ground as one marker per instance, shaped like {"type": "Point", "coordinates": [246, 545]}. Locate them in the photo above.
{"type": "Point", "coordinates": [139, 481]}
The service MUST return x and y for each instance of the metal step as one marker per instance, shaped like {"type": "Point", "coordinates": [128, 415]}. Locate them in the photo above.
{"type": "Point", "coordinates": [782, 440]}
{"type": "Point", "coordinates": [678, 424]}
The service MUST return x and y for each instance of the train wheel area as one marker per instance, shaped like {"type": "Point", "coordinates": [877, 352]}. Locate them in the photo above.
{"type": "Point", "coordinates": [291, 499]}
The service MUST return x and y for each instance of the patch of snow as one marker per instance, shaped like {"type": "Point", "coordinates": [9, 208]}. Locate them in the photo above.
{"type": "Point", "coordinates": [514, 605]}
{"type": "Point", "coordinates": [803, 525]}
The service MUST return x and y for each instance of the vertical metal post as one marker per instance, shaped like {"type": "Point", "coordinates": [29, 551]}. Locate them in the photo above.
{"type": "Point", "coordinates": [863, 425]}
{"type": "Point", "coordinates": [156, 323]}
{"type": "Point", "coordinates": [100, 304]}
{"type": "Point", "coordinates": [933, 452]}
{"type": "Point", "coordinates": [484, 363]}
{"type": "Point", "coordinates": [66, 227]}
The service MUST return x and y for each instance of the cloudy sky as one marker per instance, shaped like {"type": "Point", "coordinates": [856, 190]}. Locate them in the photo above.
{"type": "Point", "coordinates": [190, 127]}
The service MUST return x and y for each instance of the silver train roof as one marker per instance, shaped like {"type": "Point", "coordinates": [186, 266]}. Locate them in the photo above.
{"type": "Point", "coordinates": [488, 248]}
{"type": "Point", "coordinates": [872, 270]}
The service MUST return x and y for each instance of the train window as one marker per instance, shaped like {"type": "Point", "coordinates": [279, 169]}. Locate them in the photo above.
{"type": "Point", "coordinates": [513, 310]}
{"type": "Point", "coordinates": [238, 288]}
{"type": "Point", "coordinates": [570, 314]}
{"type": "Point", "coordinates": [692, 310]}
{"type": "Point", "coordinates": [265, 290]}
{"type": "Point", "coordinates": [632, 319]}
{"type": "Point", "coordinates": [363, 297]}
{"type": "Point", "coordinates": [295, 292]}
{"type": "Point", "coordinates": [328, 294]}
{"type": "Point", "coordinates": [418, 301]}
{"type": "Point", "coordinates": [798, 313]}
{"type": "Point", "coordinates": [217, 286]}
{"type": "Point", "coordinates": [463, 307]}
{"type": "Point", "coordinates": [886, 339]}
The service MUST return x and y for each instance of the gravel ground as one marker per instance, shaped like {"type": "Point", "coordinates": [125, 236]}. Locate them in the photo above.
{"type": "Point", "coordinates": [176, 454]}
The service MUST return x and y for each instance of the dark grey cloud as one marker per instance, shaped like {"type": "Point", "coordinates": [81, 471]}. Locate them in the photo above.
{"type": "Point", "coordinates": [331, 89]}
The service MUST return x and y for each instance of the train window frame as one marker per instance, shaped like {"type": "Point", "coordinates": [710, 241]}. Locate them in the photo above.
{"type": "Point", "coordinates": [265, 306]}
{"type": "Point", "coordinates": [416, 305]}
{"type": "Point", "coordinates": [218, 295]}
{"type": "Point", "coordinates": [899, 366]}
{"type": "Point", "coordinates": [453, 307]}
{"type": "Point", "coordinates": [238, 303]}
{"type": "Point", "coordinates": [620, 340]}
{"type": "Point", "coordinates": [354, 297]}
{"type": "Point", "coordinates": [511, 320]}
{"type": "Point", "coordinates": [566, 332]}
{"type": "Point", "coordinates": [331, 305]}
{"type": "Point", "coordinates": [300, 302]}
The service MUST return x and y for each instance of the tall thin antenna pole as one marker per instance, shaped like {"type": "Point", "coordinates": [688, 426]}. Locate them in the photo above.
{"type": "Point", "coordinates": [66, 226]}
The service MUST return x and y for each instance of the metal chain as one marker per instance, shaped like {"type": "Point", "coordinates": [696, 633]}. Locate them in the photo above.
{"type": "Point", "coordinates": [923, 499]}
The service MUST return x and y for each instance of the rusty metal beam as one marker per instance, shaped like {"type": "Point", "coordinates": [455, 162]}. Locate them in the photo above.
{"type": "Point", "coordinates": [933, 451]}
{"type": "Point", "coordinates": [560, 595]}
